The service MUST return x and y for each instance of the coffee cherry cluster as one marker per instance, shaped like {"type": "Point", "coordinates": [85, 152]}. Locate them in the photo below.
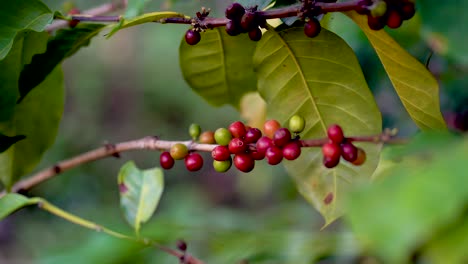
{"type": "Point", "coordinates": [243, 20]}
{"type": "Point", "coordinates": [391, 13]}
{"type": "Point", "coordinates": [340, 146]}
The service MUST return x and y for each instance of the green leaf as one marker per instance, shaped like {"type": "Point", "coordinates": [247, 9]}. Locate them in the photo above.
{"type": "Point", "coordinates": [37, 117]}
{"type": "Point", "coordinates": [261, 4]}
{"type": "Point", "coordinates": [26, 45]}
{"type": "Point", "coordinates": [219, 68]}
{"type": "Point", "coordinates": [140, 191]}
{"type": "Point", "coordinates": [64, 44]}
{"type": "Point", "coordinates": [417, 200]}
{"type": "Point", "coordinates": [414, 84]}
{"type": "Point", "coordinates": [18, 17]}
{"type": "Point", "coordinates": [444, 27]}
{"type": "Point", "coordinates": [145, 18]}
{"type": "Point", "coordinates": [6, 142]}
{"type": "Point", "coordinates": [12, 202]}
{"type": "Point", "coordinates": [135, 8]}
{"type": "Point", "coordinates": [321, 80]}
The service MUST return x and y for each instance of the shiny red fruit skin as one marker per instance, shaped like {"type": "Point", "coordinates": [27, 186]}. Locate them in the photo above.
{"type": "Point", "coordinates": [292, 150]}
{"type": "Point", "coordinates": [270, 127]}
{"type": "Point", "coordinates": [349, 152]}
{"type": "Point", "coordinates": [221, 153]}
{"type": "Point", "coordinates": [252, 135]}
{"type": "Point", "coordinates": [192, 37]}
{"type": "Point", "coordinates": [274, 155]}
{"type": "Point", "coordinates": [263, 144]}
{"type": "Point", "coordinates": [244, 162]}
{"type": "Point", "coordinates": [331, 150]}
{"type": "Point", "coordinates": [330, 162]}
{"type": "Point", "coordinates": [166, 160]}
{"type": "Point", "coordinates": [193, 162]}
{"type": "Point", "coordinates": [257, 155]}
{"type": "Point", "coordinates": [237, 129]}
{"type": "Point", "coordinates": [235, 11]}
{"type": "Point", "coordinates": [312, 28]}
{"type": "Point", "coordinates": [335, 134]}
{"type": "Point", "coordinates": [237, 145]}
{"type": "Point", "coordinates": [281, 137]}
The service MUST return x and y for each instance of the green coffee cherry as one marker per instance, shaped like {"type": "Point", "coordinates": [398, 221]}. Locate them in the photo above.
{"type": "Point", "coordinates": [179, 151]}
{"type": "Point", "coordinates": [222, 136]}
{"type": "Point", "coordinates": [194, 131]}
{"type": "Point", "coordinates": [222, 166]}
{"type": "Point", "coordinates": [296, 124]}
{"type": "Point", "coordinates": [378, 9]}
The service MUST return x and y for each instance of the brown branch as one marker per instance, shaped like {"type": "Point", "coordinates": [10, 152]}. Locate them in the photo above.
{"type": "Point", "coordinates": [92, 14]}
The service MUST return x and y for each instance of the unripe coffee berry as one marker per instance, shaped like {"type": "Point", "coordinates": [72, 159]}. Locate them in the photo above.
{"type": "Point", "coordinates": [349, 152]}
{"type": "Point", "coordinates": [263, 144]}
{"type": "Point", "coordinates": [361, 157]}
{"type": "Point", "coordinates": [331, 150]}
{"type": "Point", "coordinates": [312, 28]}
{"type": "Point", "coordinates": [194, 131]}
{"type": "Point", "coordinates": [237, 146]}
{"type": "Point", "coordinates": [192, 37]}
{"type": "Point", "coordinates": [281, 137]}
{"type": "Point", "coordinates": [166, 160]}
{"type": "Point", "coordinates": [270, 127]}
{"type": "Point", "coordinates": [335, 134]}
{"type": "Point", "coordinates": [296, 124]}
{"type": "Point", "coordinates": [235, 11]}
{"type": "Point", "coordinates": [274, 155]}
{"type": "Point", "coordinates": [179, 151]}
{"type": "Point", "coordinates": [252, 135]}
{"type": "Point", "coordinates": [207, 137]}
{"type": "Point", "coordinates": [222, 166]}
{"type": "Point", "coordinates": [222, 136]}
{"type": "Point", "coordinates": [193, 162]}
{"type": "Point", "coordinates": [292, 150]}
{"type": "Point", "coordinates": [244, 162]}
{"type": "Point", "coordinates": [221, 153]}
{"type": "Point", "coordinates": [378, 9]}
{"type": "Point", "coordinates": [237, 129]}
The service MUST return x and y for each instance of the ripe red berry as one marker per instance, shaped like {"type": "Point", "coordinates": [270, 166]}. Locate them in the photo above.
{"type": "Point", "coordinates": [292, 150]}
{"type": "Point", "coordinates": [407, 10]}
{"type": "Point", "coordinates": [193, 162]}
{"type": "Point", "coordinates": [270, 127]}
{"type": "Point", "coordinates": [248, 21]}
{"type": "Point", "coordinates": [312, 28]}
{"type": "Point", "coordinates": [331, 150]}
{"type": "Point", "coordinates": [274, 155]}
{"type": "Point", "coordinates": [330, 162]}
{"type": "Point", "coordinates": [281, 137]}
{"type": "Point", "coordinates": [244, 162]}
{"type": "Point", "coordinates": [376, 23]}
{"type": "Point", "coordinates": [221, 153]}
{"type": "Point", "coordinates": [255, 34]}
{"type": "Point", "coordinates": [263, 144]}
{"type": "Point", "coordinates": [335, 134]}
{"type": "Point", "coordinates": [233, 28]}
{"type": "Point", "coordinates": [237, 146]}
{"type": "Point", "coordinates": [73, 23]}
{"type": "Point", "coordinates": [182, 245]}
{"type": "Point", "coordinates": [394, 19]}
{"type": "Point", "coordinates": [349, 152]}
{"type": "Point", "coordinates": [252, 135]}
{"type": "Point", "coordinates": [166, 160]}
{"type": "Point", "coordinates": [257, 155]}
{"type": "Point", "coordinates": [192, 37]}
{"type": "Point", "coordinates": [235, 11]}
{"type": "Point", "coordinates": [237, 129]}
{"type": "Point", "coordinates": [361, 157]}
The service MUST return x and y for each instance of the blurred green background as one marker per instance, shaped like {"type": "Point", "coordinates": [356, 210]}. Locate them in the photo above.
{"type": "Point", "coordinates": [131, 86]}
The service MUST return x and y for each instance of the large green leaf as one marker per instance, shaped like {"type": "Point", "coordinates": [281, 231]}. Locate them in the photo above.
{"type": "Point", "coordinates": [444, 27]}
{"type": "Point", "coordinates": [419, 198]}
{"type": "Point", "coordinates": [414, 84]}
{"type": "Point", "coordinates": [145, 18]}
{"type": "Point", "coordinates": [135, 8]}
{"type": "Point", "coordinates": [12, 202]}
{"type": "Point", "coordinates": [140, 191]}
{"type": "Point", "coordinates": [20, 16]}
{"type": "Point", "coordinates": [321, 80]}
{"type": "Point", "coordinates": [64, 44]}
{"type": "Point", "coordinates": [219, 68]}
{"type": "Point", "coordinates": [37, 117]}
{"type": "Point", "coordinates": [26, 45]}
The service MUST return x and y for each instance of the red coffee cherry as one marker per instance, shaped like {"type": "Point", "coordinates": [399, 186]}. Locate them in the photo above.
{"type": "Point", "coordinates": [349, 152]}
{"type": "Point", "coordinates": [292, 150]}
{"type": "Point", "coordinates": [252, 135]}
{"type": "Point", "coordinates": [233, 28]}
{"type": "Point", "coordinates": [361, 157]}
{"type": "Point", "coordinates": [270, 127]}
{"type": "Point", "coordinates": [394, 19]}
{"type": "Point", "coordinates": [376, 23]}
{"type": "Point", "coordinates": [192, 37]}
{"type": "Point", "coordinates": [221, 153]}
{"type": "Point", "coordinates": [331, 150]}
{"type": "Point", "coordinates": [248, 22]}
{"type": "Point", "coordinates": [257, 155]}
{"type": "Point", "coordinates": [407, 10]}
{"type": "Point", "coordinates": [330, 162]}
{"type": "Point", "coordinates": [193, 162]}
{"type": "Point", "coordinates": [274, 155]}
{"type": "Point", "coordinates": [335, 134]}
{"type": "Point", "coordinates": [281, 137]}
{"type": "Point", "coordinates": [73, 23]}
{"type": "Point", "coordinates": [237, 146]}
{"type": "Point", "coordinates": [237, 129]}
{"type": "Point", "coordinates": [312, 28]}
{"type": "Point", "coordinates": [235, 11]}
{"type": "Point", "coordinates": [263, 144]}
{"type": "Point", "coordinates": [166, 160]}
{"type": "Point", "coordinates": [244, 162]}
{"type": "Point", "coordinates": [255, 34]}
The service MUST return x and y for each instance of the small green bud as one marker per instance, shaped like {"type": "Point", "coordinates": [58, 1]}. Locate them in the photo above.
{"type": "Point", "coordinates": [296, 124]}
{"type": "Point", "coordinates": [194, 131]}
{"type": "Point", "coordinates": [378, 9]}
